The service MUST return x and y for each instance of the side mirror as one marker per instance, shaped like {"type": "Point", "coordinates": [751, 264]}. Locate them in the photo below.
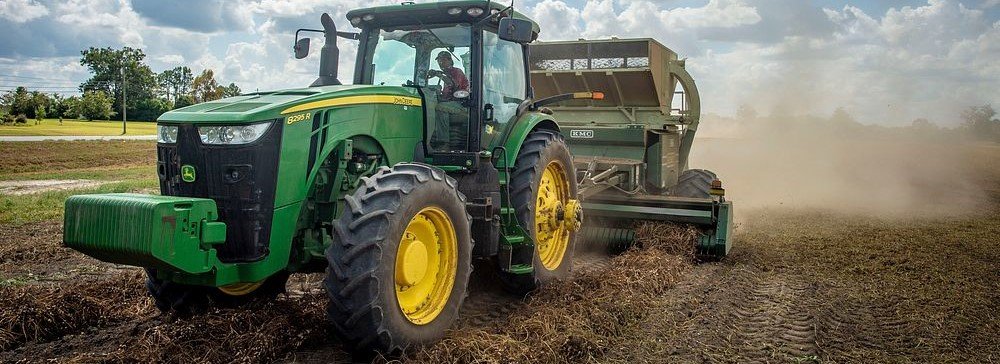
{"type": "Point", "coordinates": [515, 30]}
{"type": "Point", "coordinates": [301, 48]}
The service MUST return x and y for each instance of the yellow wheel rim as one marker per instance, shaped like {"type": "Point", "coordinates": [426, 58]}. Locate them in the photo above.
{"type": "Point", "coordinates": [426, 265]}
{"type": "Point", "coordinates": [240, 289]}
{"type": "Point", "coordinates": [551, 231]}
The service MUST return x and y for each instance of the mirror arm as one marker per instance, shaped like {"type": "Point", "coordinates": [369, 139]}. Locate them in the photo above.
{"type": "Point", "coordinates": [488, 18]}
{"type": "Point", "coordinates": [524, 106]}
{"type": "Point", "coordinates": [345, 35]}
{"type": "Point", "coordinates": [306, 30]}
{"type": "Point", "coordinates": [349, 35]}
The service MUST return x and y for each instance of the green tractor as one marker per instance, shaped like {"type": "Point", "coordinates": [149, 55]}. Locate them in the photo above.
{"type": "Point", "coordinates": [438, 154]}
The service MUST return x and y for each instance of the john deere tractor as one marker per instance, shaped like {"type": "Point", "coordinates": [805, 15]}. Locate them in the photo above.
{"type": "Point", "coordinates": [437, 154]}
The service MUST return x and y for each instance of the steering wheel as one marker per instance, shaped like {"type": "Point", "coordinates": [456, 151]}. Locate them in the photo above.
{"type": "Point", "coordinates": [441, 77]}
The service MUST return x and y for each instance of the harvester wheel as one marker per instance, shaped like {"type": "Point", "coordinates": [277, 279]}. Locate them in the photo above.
{"type": "Point", "coordinates": [400, 260]}
{"type": "Point", "coordinates": [693, 183]}
{"type": "Point", "coordinates": [185, 299]}
{"type": "Point", "coordinates": [542, 187]}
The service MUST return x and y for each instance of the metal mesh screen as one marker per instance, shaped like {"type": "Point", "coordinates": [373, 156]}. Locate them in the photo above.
{"type": "Point", "coordinates": [589, 55]}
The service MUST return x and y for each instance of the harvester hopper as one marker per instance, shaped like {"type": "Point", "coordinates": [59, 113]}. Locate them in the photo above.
{"type": "Point", "coordinates": [631, 146]}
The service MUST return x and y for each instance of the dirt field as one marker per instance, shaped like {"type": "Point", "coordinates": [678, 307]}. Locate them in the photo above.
{"type": "Point", "coordinates": [877, 252]}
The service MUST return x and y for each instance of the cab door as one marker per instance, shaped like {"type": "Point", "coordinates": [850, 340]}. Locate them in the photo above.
{"type": "Point", "coordinates": [504, 86]}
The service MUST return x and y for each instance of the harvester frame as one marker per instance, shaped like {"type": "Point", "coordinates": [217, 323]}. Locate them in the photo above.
{"type": "Point", "coordinates": [631, 147]}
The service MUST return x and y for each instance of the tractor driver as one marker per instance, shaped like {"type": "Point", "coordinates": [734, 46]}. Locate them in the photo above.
{"type": "Point", "coordinates": [453, 77]}
{"type": "Point", "coordinates": [452, 123]}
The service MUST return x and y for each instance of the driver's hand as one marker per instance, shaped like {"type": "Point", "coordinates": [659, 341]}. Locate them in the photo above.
{"type": "Point", "coordinates": [434, 73]}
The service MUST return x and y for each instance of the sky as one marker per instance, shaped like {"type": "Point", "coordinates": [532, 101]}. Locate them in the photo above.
{"type": "Point", "coordinates": [885, 62]}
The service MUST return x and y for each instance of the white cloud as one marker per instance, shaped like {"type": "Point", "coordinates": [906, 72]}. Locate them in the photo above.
{"type": "Point", "coordinates": [170, 59]}
{"type": "Point", "coordinates": [599, 18]}
{"type": "Point", "coordinates": [926, 61]}
{"type": "Point", "coordinates": [886, 66]}
{"type": "Point", "coordinates": [20, 11]}
{"type": "Point", "coordinates": [114, 18]}
{"type": "Point", "coordinates": [563, 21]}
{"type": "Point", "coordinates": [682, 26]}
{"type": "Point", "coordinates": [718, 13]}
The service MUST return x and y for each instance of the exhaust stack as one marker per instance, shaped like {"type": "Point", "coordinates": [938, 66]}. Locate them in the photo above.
{"type": "Point", "coordinates": [329, 55]}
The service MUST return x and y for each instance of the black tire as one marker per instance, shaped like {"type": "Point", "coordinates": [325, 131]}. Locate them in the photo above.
{"type": "Point", "coordinates": [185, 300]}
{"type": "Point", "coordinates": [174, 297]}
{"type": "Point", "coordinates": [694, 183]}
{"type": "Point", "coordinates": [269, 289]}
{"type": "Point", "coordinates": [539, 149]}
{"type": "Point", "coordinates": [364, 309]}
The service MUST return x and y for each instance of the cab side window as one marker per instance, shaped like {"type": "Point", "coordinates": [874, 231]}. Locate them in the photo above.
{"type": "Point", "coordinates": [504, 83]}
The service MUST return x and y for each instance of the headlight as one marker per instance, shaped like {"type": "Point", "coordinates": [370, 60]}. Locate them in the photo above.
{"type": "Point", "coordinates": [368, 17]}
{"type": "Point", "coordinates": [474, 11]}
{"type": "Point", "coordinates": [356, 21]}
{"type": "Point", "coordinates": [454, 11]}
{"type": "Point", "coordinates": [166, 134]}
{"type": "Point", "coordinates": [232, 134]}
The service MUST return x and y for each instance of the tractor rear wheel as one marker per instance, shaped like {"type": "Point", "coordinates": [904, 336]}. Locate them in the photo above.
{"type": "Point", "coordinates": [400, 260]}
{"type": "Point", "coordinates": [694, 183]}
{"type": "Point", "coordinates": [543, 192]}
{"type": "Point", "coordinates": [185, 299]}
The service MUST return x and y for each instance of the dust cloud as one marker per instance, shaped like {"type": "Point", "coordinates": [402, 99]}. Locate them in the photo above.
{"type": "Point", "coordinates": [838, 164]}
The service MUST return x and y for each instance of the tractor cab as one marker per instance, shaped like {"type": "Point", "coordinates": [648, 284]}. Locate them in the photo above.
{"type": "Point", "coordinates": [467, 59]}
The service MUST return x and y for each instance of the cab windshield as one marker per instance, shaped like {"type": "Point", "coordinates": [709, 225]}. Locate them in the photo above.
{"type": "Point", "coordinates": [412, 56]}
{"type": "Point", "coordinates": [437, 59]}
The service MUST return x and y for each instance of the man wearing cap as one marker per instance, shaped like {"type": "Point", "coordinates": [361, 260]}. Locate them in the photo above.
{"type": "Point", "coordinates": [453, 77]}
{"type": "Point", "coordinates": [452, 123]}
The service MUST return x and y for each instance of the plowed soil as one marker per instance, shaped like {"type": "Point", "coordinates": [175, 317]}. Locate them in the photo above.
{"type": "Point", "coordinates": [802, 284]}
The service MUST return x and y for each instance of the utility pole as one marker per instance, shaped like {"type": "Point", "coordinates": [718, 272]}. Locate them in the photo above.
{"type": "Point", "coordinates": [124, 108]}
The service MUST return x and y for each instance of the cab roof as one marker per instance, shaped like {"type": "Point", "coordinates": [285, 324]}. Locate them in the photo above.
{"type": "Point", "coordinates": [409, 13]}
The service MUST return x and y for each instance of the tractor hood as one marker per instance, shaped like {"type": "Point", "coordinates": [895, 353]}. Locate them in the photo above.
{"type": "Point", "coordinates": [278, 104]}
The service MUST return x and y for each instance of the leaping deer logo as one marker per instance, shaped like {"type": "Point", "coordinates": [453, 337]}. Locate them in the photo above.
{"type": "Point", "coordinates": [187, 173]}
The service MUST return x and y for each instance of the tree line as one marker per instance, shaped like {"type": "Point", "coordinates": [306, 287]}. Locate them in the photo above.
{"type": "Point", "coordinates": [114, 73]}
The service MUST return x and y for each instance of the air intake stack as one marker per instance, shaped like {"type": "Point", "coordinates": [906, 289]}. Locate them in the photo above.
{"type": "Point", "coordinates": [329, 55]}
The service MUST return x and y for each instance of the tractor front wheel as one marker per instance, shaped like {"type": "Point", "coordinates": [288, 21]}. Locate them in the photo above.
{"type": "Point", "coordinates": [185, 299]}
{"type": "Point", "coordinates": [400, 260]}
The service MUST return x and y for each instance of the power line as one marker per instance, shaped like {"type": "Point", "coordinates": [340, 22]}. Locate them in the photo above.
{"type": "Point", "coordinates": [36, 85]}
{"type": "Point", "coordinates": [42, 87]}
{"type": "Point", "coordinates": [40, 80]}
{"type": "Point", "coordinates": [29, 77]}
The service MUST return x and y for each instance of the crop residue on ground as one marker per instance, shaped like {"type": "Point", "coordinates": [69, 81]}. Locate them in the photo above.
{"type": "Point", "coordinates": [804, 283]}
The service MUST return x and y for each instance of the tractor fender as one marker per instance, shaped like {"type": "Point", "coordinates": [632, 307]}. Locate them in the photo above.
{"type": "Point", "coordinates": [321, 202]}
{"type": "Point", "coordinates": [523, 126]}
{"type": "Point", "coordinates": [358, 142]}
{"type": "Point", "coordinates": [362, 142]}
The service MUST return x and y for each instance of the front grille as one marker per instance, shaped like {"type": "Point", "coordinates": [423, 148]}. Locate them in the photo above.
{"type": "Point", "coordinates": [240, 178]}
